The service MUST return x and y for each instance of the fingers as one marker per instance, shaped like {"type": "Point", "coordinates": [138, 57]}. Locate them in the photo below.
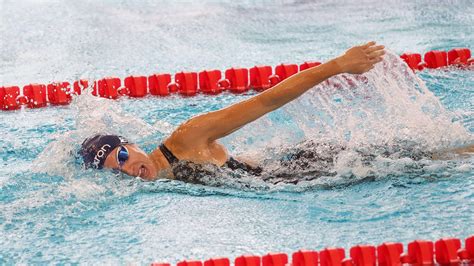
{"type": "Point", "coordinates": [367, 45]}
{"type": "Point", "coordinates": [376, 54]}
{"type": "Point", "coordinates": [374, 48]}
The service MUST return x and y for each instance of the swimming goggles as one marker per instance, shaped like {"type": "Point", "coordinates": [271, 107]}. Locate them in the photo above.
{"type": "Point", "coordinates": [122, 155]}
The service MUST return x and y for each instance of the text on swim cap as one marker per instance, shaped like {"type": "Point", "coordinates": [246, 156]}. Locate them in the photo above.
{"type": "Point", "coordinates": [100, 154]}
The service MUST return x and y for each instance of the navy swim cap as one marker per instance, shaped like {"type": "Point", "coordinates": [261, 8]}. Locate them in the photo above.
{"type": "Point", "coordinates": [94, 150]}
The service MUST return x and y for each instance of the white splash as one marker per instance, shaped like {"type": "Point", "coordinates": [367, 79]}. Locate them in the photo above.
{"type": "Point", "coordinates": [387, 106]}
{"type": "Point", "coordinates": [388, 103]}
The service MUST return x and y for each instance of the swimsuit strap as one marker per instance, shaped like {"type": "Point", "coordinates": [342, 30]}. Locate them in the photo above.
{"type": "Point", "coordinates": [168, 154]}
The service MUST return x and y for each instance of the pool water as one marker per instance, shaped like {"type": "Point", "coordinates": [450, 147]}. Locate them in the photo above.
{"type": "Point", "coordinates": [53, 211]}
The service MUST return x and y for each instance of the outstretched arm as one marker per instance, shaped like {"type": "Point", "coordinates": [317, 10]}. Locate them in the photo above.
{"type": "Point", "coordinates": [214, 125]}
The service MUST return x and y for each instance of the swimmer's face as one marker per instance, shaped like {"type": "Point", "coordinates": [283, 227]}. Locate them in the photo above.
{"type": "Point", "coordinates": [137, 164]}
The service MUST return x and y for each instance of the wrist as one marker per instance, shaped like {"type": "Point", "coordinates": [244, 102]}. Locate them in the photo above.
{"type": "Point", "coordinates": [340, 65]}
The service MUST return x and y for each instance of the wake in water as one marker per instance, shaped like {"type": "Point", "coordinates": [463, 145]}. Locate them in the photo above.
{"type": "Point", "coordinates": [347, 129]}
{"type": "Point", "coordinates": [355, 127]}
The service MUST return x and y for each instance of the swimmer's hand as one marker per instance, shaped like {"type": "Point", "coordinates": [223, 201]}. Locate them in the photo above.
{"type": "Point", "coordinates": [360, 59]}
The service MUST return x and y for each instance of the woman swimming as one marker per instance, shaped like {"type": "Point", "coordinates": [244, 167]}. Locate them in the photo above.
{"type": "Point", "coordinates": [194, 143]}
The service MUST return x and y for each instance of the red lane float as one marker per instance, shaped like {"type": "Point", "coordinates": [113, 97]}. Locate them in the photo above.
{"type": "Point", "coordinates": [136, 86]}
{"type": "Point", "coordinates": [436, 59]}
{"type": "Point", "coordinates": [8, 98]}
{"type": "Point", "coordinates": [107, 88]}
{"type": "Point", "coordinates": [35, 95]}
{"type": "Point", "coordinates": [59, 93]}
{"type": "Point", "coordinates": [332, 257]}
{"type": "Point", "coordinates": [470, 247]}
{"type": "Point", "coordinates": [413, 61]}
{"type": "Point", "coordinates": [446, 251]}
{"type": "Point", "coordinates": [158, 84]}
{"type": "Point", "coordinates": [459, 56]}
{"type": "Point", "coordinates": [275, 259]}
{"type": "Point", "coordinates": [467, 253]}
{"type": "Point", "coordinates": [388, 254]}
{"type": "Point", "coordinates": [238, 79]}
{"type": "Point", "coordinates": [189, 263]}
{"type": "Point", "coordinates": [186, 83]}
{"type": "Point", "coordinates": [307, 65]}
{"type": "Point", "coordinates": [211, 82]}
{"type": "Point", "coordinates": [217, 262]}
{"type": "Point", "coordinates": [363, 255]}
{"type": "Point", "coordinates": [286, 70]}
{"type": "Point", "coordinates": [305, 258]}
{"type": "Point", "coordinates": [420, 252]}
{"type": "Point", "coordinates": [260, 77]}
{"type": "Point", "coordinates": [247, 261]}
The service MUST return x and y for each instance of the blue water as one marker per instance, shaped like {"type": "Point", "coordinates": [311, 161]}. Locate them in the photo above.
{"type": "Point", "coordinates": [52, 211]}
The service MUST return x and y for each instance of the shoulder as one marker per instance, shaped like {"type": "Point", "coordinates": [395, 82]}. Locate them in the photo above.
{"type": "Point", "coordinates": [182, 142]}
{"type": "Point", "coordinates": [187, 135]}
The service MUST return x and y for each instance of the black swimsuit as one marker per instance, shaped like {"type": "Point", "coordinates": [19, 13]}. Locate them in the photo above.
{"type": "Point", "coordinates": [195, 173]}
{"type": "Point", "coordinates": [305, 161]}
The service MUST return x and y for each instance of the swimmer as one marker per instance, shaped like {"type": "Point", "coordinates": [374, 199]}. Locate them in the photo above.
{"type": "Point", "coordinates": [195, 142]}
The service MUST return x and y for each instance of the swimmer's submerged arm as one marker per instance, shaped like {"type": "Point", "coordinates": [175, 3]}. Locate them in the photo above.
{"type": "Point", "coordinates": [214, 125]}
{"type": "Point", "coordinates": [448, 153]}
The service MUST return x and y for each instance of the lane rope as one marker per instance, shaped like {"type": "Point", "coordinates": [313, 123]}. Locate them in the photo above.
{"type": "Point", "coordinates": [445, 251]}
{"type": "Point", "coordinates": [211, 82]}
